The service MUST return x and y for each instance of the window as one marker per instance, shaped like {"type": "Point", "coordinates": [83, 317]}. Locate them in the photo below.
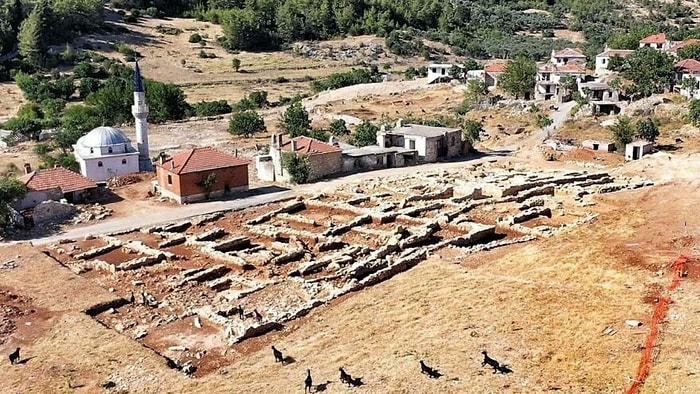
{"type": "Point", "coordinates": [91, 151]}
{"type": "Point", "coordinates": [99, 164]}
{"type": "Point", "coordinates": [411, 144]}
{"type": "Point", "coordinates": [109, 150]}
{"type": "Point", "coordinates": [124, 162]}
{"type": "Point", "coordinates": [603, 60]}
{"type": "Point", "coordinates": [170, 179]}
{"type": "Point", "coordinates": [443, 71]}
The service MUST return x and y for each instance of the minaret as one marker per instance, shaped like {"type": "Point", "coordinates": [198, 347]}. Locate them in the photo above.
{"type": "Point", "coordinates": [140, 112]}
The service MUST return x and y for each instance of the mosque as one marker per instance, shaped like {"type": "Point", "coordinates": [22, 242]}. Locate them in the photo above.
{"type": "Point", "coordinates": [106, 152]}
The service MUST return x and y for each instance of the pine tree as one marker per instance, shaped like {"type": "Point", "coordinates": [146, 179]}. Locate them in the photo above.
{"type": "Point", "coordinates": [32, 34]}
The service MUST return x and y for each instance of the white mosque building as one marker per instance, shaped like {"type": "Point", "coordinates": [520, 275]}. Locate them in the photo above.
{"type": "Point", "coordinates": [106, 152]}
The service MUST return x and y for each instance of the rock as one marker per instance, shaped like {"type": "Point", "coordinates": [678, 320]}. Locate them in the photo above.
{"type": "Point", "coordinates": [197, 322]}
{"type": "Point", "coordinates": [633, 323]}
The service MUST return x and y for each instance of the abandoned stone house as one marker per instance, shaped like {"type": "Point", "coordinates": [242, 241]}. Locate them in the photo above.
{"type": "Point", "coordinates": [430, 143]}
{"type": "Point", "coordinates": [324, 159]}
{"type": "Point", "coordinates": [53, 184]}
{"type": "Point", "coordinates": [183, 177]}
{"type": "Point", "coordinates": [492, 73]}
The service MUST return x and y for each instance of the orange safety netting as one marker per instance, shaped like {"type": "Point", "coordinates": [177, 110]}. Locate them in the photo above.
{"type": "Point", "coordinates": [679, 271]}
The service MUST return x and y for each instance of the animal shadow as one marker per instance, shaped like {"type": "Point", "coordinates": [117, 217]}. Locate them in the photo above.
{"type": "Point", "coordinates": [504, 369]}
{"type": "Point", "coordinates": [321, 387]}
{"type": "Point", "coordinates": [288, 360]}
{"type": "Point", "coordinates": [26, 360]}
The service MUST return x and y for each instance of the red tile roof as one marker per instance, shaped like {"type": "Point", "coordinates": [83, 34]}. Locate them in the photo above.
{"type": "Point", "coordinates": [311, 146]}
{"type": "Point", "coordinates": [569, 52]}
{"type": "Point", "coordinates": [495, 68]}
{"type": "Point", "coordinates": [201, 159]}
{"type": "Point", "coordinates": [683, 44]}
{"type": "Point", "coordinates": [51, 178]}
{"type": "Point", "coordinates": [690, 65]}
{"type": "Point", "coordinates": [571, 68]}
{"type": "Point", "coordinates": [654, 39]}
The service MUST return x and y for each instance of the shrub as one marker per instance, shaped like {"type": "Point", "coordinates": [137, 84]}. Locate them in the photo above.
{"type": "Point", "coordinates": [246, 123]}
{"type": "Point", "coordinates": [195, 38]}
{"type": "Point", "coordinates": [339, 80]}
{"type": "Point", "coordinates": [130, 18]}
{"type": "Point", "coordinates": [206, 55]}
{"type": "Point", "coordinates": [83, 69]}
{"type": "Point", "coordinates": [297, 166]}
{"type": "Point", "coordinates": [259, 98]}
{"type": "Point", "coordinates": [211, 108]}
{"type": "Point", "coordinates": [365, 134]}
{"type": "Point", "coordinates": [236, 64]}
{"type": "Point", "coordinates": [295, 120]}
{"type": "Point", "coordinates": [169, 30]}
{"type": "Point", "coordinates": [281, 79]}
{"type": "Point", "coordinates": [338, 127]}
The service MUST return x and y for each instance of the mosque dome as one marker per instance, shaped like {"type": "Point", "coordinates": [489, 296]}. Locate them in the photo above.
{"type": "Point", "coordinates": [103, 136]}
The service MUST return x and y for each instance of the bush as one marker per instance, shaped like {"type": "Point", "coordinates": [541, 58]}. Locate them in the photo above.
{"type": "Point", "coordinates": [338, 127]}
{"type": "Point", "coordinates": [195, 38]}
{"type": "Point", "coordinates": [297, 166]}
{"type": "Point", "coordinates": [206, 55]}
{"type": "Point", "coordinates": [87, 86]}
{"type": "Point", "coordinates": [365, 134]}
{"type": "Point", "coordinates": [129, 52]}
{"type": "Point", "coordinates": [295, 120]}
{"type": "Point", "coordinates": [212, 108]}
{"type": "Point", "coordinates": [281, 79]}
{"type": "Point", "coordinates": [52, 108]}
{"type": "Point", "coordinates": [259, 98]}
{"type": "Point", "coordinates": [130, 18]}
{"type": "Point", "coordinates": [169, 30]}
{"type": "Point", "coordinates": [354, 77]}
{"type": "Point", "coordinates": [246, 123]}
{"type": "Point", "coordinates": [318, 134]}
{"type": "Point", "coordinates": [236, 64]}
{"type": "Point", "coordinates": [83, 69]}
{"type": "Point", "coordinates": [622, 132]}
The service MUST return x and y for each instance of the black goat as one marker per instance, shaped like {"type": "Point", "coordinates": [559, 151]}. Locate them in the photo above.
{"type": "Point", "coordinates": [257, 315]}
{"type": "Point", "coordinates": [488, 360]}
{"type": "Point", "coordinates": [132, 299]}
{"type": "Point", "coordinates": [344, 376]}
{"type": "Point", "coordinates": [14, 357]}
{"type": "Point", "coordinates": [279, 358]}
{"type": "Point", "coordinates": [433, 373]}
{"type": "Point", "coordinates": [308, 382]}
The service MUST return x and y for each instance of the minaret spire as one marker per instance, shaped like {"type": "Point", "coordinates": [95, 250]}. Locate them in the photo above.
{"type": "Point", "coordinates": [140, 112]}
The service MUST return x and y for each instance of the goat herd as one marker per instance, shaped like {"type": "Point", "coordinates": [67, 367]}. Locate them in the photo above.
{"type": "Point", "coordinates": [357, 381]}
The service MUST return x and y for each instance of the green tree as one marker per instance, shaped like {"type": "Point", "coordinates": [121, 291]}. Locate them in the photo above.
{"type": "Point", "coordinates": [166, 101]}
{"type": "Point", "coordinates": [471, 64]}
{"type": "Point", "coordinates": [477, 93]}
{"type": "Point", "coordinates": [518, 78]}
{"type": "Point", "coordinates": [338, 127]}
{"type": "Point", "coordinates": [472, 130]}
{"type": "Point", "coordinates": [365, 134]}
{"type": "Point", "coordinates": [617, 63]}
{"type": "Point", "coordinates": [649, 70]}
{"type": "Point", "coordinates": [246, 123]}
{"type": "Point", "coordinates": [258, 98]}
{"type": "Point", "coordinates": [543, 121]}
{"type": "Point", "coordinates": [87, 86]}
{"type": "Point", "coordinates": [297, 166]}
{"type": "Point", "coordinates": [32, 36]}
{"type": "Point", "coordinates": [648, 129]}
{"type": "Point", "coordinates": [622, 132]}
{"type": "Point", "coordinates": [569, 83]}
{"type": "Point", "coordinates": [236, 64]}
{"type": "Point", "coordinates": [208, 184]}
{"type": "Point", "coordinates": [295, 120]}
{"type": "Point", "coordinates": [113, 101]}
{"type": "Point", "coordinates": [694, 112]}
{"type": "Point", "coordinates": [690, 52]}
{"type": "Point", "coordinates": [11, 190]}
{"type": "Point", "coordinates": [29, 128]}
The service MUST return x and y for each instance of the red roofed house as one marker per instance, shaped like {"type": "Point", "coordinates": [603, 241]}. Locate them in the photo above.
{"type": "Point", "coordinates": [568, 55]}
{"type": "Point", "coordinates": [688, 78]}
{"type": "Point", "coordinates": [655, 41]}
{"type": "Point", "coordinates": [673, 50]}
{"type": "Point", "coordinates": [324, 159]}
{"type": "Point", "coordinates": [493, 73]}
{"type": "Point", "coordinates": [53, 184]}
{"type": "Point", "coordinates": [184, 176]}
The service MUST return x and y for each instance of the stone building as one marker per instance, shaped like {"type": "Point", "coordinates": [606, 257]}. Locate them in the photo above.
{"type": "Point", "coordinates": [324, 159]}
{"type": "Point", "coordinates": [431, 143]}
{"type": "Point", "coordinates": [183, 177]}
{"type": "Point", "coordinates": [53, 184]}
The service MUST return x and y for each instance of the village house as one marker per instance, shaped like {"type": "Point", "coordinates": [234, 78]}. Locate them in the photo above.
{"type": "Point", "coordinates": [53, 184]}
{"type": "Point", "coordinates": [430, 143]}
{"type": "Point", "coordinates": [568, 55]}
{"type": "Point", "coordinates": [442, 72]}
{"type": "Point", "coordinates": [655, 41]}
{"type": "Point", "coordinates": [375, 157]}
{"type": "Point", "coordinates": [688, 78]}
{"type": "Point", "coordinates": [637, 149]}
{"type": "Point", "coordinates": [324, 159]}
{"type": "Point", "coordinates": [606, 146]}
{"type": "Point", "coordinates": [548, 84]}
{"type": "Point", "coordinates": [493, 72]}
{"type": "Point", "coordinates": [673, 50]}
{"type": "Point", "coordinates": [200, 173]}
{"type": "Point", "coordinates": [602, 60]}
